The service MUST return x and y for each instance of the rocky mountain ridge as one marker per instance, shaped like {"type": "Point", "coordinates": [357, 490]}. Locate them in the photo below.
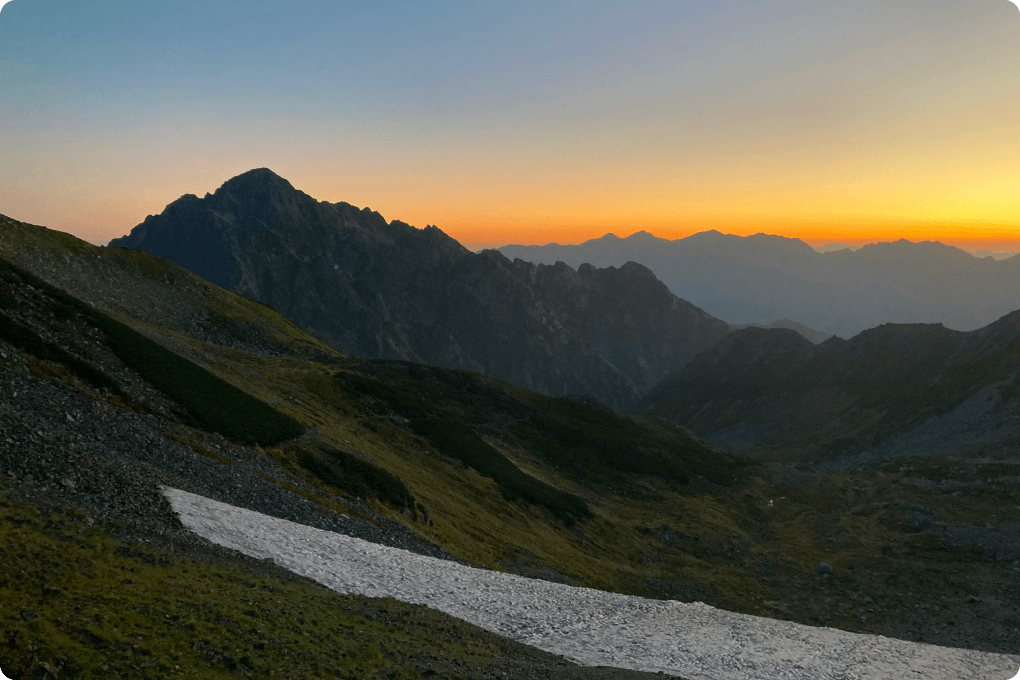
{"type": "Point", "coordinates": [378, 289]}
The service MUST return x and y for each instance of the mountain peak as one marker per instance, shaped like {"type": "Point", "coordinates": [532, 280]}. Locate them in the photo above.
{"type": "Point", "coordinates": [256, 179]}
{"type": "Point", "coordinates": [642, 236]}
{"type": "Point", "coordinates": [388, 290]}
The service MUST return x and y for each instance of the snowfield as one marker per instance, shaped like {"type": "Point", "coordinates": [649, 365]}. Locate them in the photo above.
{"type": "Point", "coordinates": [588, 626]}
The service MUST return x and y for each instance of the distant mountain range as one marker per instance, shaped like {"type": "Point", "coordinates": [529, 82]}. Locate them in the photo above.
{"type": "Point", "coordinates": [816, 337]}
{"type": "Point", "coordinates": [921, 390]}
{"type": "Point", "coordinates": [386, 290]}
{"type": "Point", "coordinates": [832, 247]}
{"type": "Point", "coordinates": [995, 254]}
{"type": "Point", "coordinates": [762, 278]}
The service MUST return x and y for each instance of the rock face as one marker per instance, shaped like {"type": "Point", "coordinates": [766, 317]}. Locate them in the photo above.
{"type": "Point", "coordinates": [378, 289]}
{"type": "Point", "coordinates": [902, 390]}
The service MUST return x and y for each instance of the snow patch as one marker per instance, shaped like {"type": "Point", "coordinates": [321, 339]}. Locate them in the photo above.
{"type": "Point", "coordinates": [590, 627]}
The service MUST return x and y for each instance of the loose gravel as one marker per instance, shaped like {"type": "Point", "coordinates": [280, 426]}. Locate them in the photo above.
{"type": "Point", "coordinates": [110, 462]}
{"type": "Point", "coordinates": [588, 626]}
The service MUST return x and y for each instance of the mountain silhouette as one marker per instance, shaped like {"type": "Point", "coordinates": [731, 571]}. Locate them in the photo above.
{"type": "Point", "coordinates": [378, 289]}
{"type": "Point", "coordinates": [817, 337]}
{"type": "Point", "coordinates": [762, 278]}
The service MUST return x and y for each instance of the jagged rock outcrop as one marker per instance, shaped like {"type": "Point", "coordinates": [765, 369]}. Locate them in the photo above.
{"type": "Point", "coordinates": [379, 289]}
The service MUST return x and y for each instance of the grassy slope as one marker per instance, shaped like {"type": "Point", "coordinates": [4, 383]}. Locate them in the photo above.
{"type": "Point", "coordinates": [129, 282]}
{"type": "Point", "coordinates": [648, 534]}
{"type": "Point", "coordinates": [76, 603]}
{"type": "Point", "coordinates": [471, 518]}
{"type": "Point", "coordinates": [727, 542]}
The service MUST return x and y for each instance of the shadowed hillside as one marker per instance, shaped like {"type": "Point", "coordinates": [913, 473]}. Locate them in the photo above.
{"type": "Point", "coordinates": [816, 337]}
{"type": "Point", "coordinates": [909, 389]}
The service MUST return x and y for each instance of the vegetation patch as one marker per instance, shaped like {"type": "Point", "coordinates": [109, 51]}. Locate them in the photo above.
{"type": "Point", "coordinates": [579, 436]}
{"type": "Point", "coordinates": [348, 473]}
{"type": "Point", "coordinates": [76, 603]}
{"type": "Point", "coordinates": [596, 442]}
{"type": "Point", "coordinates": [430, 412]}
{"type": "Point", "coordinates": [212, 403]}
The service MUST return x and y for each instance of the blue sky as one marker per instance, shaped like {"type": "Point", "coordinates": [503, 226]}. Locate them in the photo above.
{"type": "Point", "coordinates": [524, 122]}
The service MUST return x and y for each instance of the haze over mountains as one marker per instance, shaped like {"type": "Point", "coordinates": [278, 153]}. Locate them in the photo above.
{"type": "Point", "coordinates": [994, 254]}
{"type": "Point", "coordinates": [762, 278]}
{"type": "Point", "coordinates": [377, 289]}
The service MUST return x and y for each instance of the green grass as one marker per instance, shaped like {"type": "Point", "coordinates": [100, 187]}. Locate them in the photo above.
{"type": "Point", "coordinates": [210, 402]}
{"type": "Point", "coordinates": [582, 438]}
{"type": "Point", "coordinates": [432, 414]}
{"type": "Point", "coordinates": [75, 603]}
{"type": "Point", "coordinates": [357, 477]}
{"type": "Point", "coordinates": [597, 443]}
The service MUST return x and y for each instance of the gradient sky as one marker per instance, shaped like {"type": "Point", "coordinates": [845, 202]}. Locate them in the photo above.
{"type": "Point", "coordinates": [526, 122]}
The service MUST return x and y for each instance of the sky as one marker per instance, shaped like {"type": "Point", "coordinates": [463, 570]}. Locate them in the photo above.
{"type": "Point", "coordinates": [529, 122]}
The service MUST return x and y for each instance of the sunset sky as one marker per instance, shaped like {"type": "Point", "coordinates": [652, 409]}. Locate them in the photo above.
{"type": "Point", "coordinates": [526, 122]}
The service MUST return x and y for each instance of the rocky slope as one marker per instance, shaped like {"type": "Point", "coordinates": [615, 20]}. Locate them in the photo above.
{"type": "Point", "coordinates": [135, 285]}
{"type": "Point", "coordinates": [903, 389]}
{"type": "Point", "coordinates": [761, 278]}
{"type": "Point", "coordinates": [378, 289]}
